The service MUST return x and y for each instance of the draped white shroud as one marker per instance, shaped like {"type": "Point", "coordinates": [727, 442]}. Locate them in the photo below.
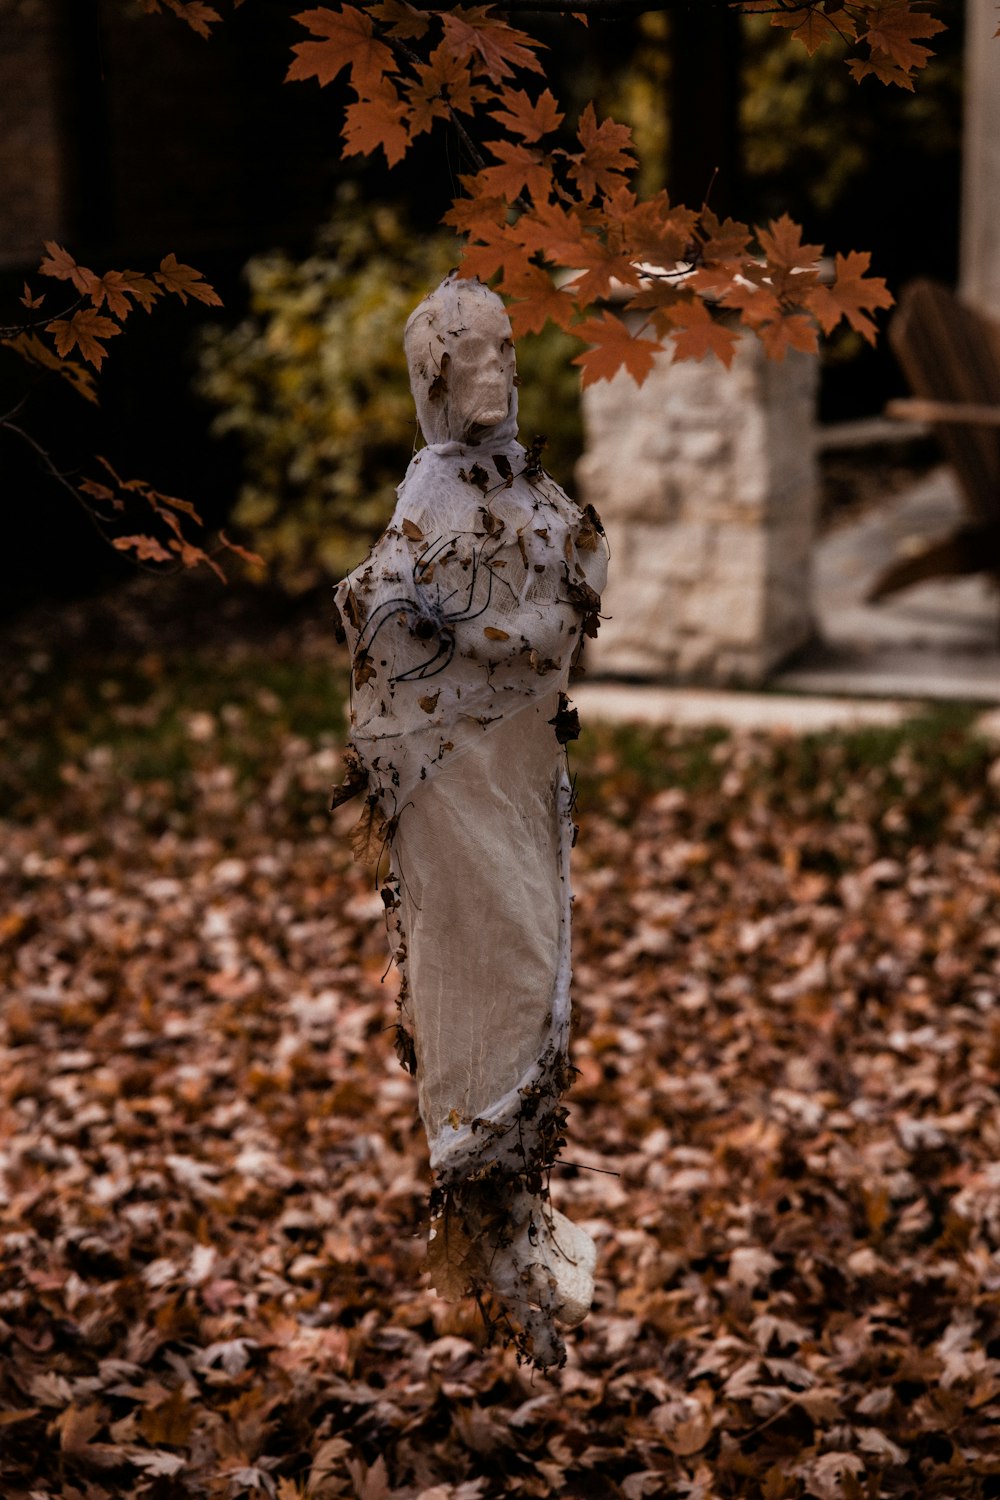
{"type": "Point", "coordinates": [462, 624]}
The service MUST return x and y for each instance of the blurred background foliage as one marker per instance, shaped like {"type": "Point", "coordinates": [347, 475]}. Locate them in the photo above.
{"type": "Point", "coordinates": [314, 382]}
{"type": "Point", "coordinates": [301, 375]}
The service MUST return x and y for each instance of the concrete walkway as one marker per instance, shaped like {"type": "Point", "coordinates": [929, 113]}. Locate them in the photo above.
{"type": "Point", "coordinates": [939, 639]}
{"type": "Point", "coordinates": [872, 664]}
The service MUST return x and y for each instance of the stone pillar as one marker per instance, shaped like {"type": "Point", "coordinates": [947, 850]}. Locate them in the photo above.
{"type": "Point", "coordinates": [980, 237]}
{"type": "Point", "coordinates": [705, 480]}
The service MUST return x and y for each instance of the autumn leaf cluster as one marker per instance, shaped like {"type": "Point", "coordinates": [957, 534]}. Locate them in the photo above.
{"type": "Point", "coordinates": [557, 226]}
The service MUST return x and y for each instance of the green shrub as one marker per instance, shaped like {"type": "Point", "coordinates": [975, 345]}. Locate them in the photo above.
{"type": "Point", "coordinates": [314, 380]}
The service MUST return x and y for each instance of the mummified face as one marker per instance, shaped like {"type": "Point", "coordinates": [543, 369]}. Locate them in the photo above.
{"type": "Point", "coordinates": [461, 358]}
{"type": "Point", "coordinates": [481, 371]}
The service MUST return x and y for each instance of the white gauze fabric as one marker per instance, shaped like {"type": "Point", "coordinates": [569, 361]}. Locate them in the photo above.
{"type": "Point", "coordinates": [462, 625]}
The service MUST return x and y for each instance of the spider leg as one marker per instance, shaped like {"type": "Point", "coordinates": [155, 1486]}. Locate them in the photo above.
{"type": "Point", "coordinates": [446, 648]}
{"type": "Point", "coordinates": [429, 554]}
{"type": "Point", "coordinates": [469, 613]}
{"type": "Point", "coordinates": [386, 609]}
{"type": "Point", "coordinates": [460, 613]}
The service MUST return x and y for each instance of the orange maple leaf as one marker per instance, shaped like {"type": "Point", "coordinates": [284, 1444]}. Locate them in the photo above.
{"type": "Point", "coordinates": [377, 121]}
{"type": "Point", "coordinates": [520, 169]}
{"type": "Point", "coordinates": [782, 243]}
{"type": "Point", "coordinates": [893, 30]}
{"type": "Point", "coordinates": [697, 333]}
{"type": "Point", "coordinates": [472, 31]}
{"type": "Point", "coordinates": [606, 155]}
{"type": "Point", "coordinates": [29, 301]}
{"type": "Point", "coordinates": [853, 296]}
{"type": "Point", "coordinates": [242, 552]}
{"type": "Point", "coordinates": [757, 302]}
{"type": "Point", "coordinates": [200, 17]}
{"type": "Point", "coordinates": [811, 27]}
{"type": "Point", "coordinates": [146, 548]}
{"type": "Point", "coordinates": [602, 266]}
{"type": "Point", "coordinates": [116, 287]}
{"type": "Point", "coordinates": [185, 281]}
{"type": "Point", "coordinates": [538, 301]}
{"type": "Point", "coordinates": [793, 332]}
{"type": "Point", "coordinates": [347, 40]}
{"type": "Point", "coordinates": [191, 555]}
{"type": "Point", "coordinates": [475, 214]}
{"type": "Point", "coordinates": [444, 83]}
{"type": "Point", "coordinates": [61, 266]}
{"type": "Point", "coordinates": [528, 120]}
{"type": "Point", "coordinates": [882, 67]}
{"type": "Point", "coordinates": [495, 246]}
{"type": "Point", "coordinates": [614, 349]}
{"type": "Point", "coordinates": [556, 232]}
{"type": "Point", "coordinates": [85, 331]}
{"type": "Point", "coordinates": [401, 20]}
{"type": "Point", "coordinates": [30, 347]}
{"type": "Point", "coordinates": [654, 230]}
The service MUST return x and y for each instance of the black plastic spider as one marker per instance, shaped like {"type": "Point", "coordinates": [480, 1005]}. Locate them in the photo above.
{"type": "Point", "coordinates": [426, 613]}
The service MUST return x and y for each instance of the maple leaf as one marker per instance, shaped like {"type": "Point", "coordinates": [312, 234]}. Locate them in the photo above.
{"type": "Point", "coordinates": [116, 287]}
{"type": "Point", "coordinates": [809, 26]}
{"type": "Point", "coordinates": [697, 333]}
{"type": "Point", "coordinates": [375, 121]}
{"type": "Point", "coordinates": [882, 67]}
{"type": "Point", "coordinates": [606, 155]}
{"type": "Point", "coordinates": [893, 31]}
{"type": "Point", "coordinates": [782, 243]}
{"type": "Point", "coordinates": [538, 301]}
{"type": "Point", "coordinates": [853, 295]}
{"type": "Point", "coordinates": [192, 555]}
{"type": "Point", "coordinates": [347, 40]}
{"type": "Point", "coordinates": [401, 20]}
{"type": "Point", "coordinates": [30, 347]}
{"type": "Point", "coordinates": [97, 491]}
{"type": "Point", "coordinates": [614, 349]}
{"type": "Point", "coordinates": [27, 300]}
{"type": "Point", "coordinates": [530, 121]}
{"type": "Point", "coordinates": [241, 552]}
{"type": "Point", "coordinates": [60, 265]}
{"type": "Point", "coordinates": [200, 17]}
{"type": "Point", "coordinates": [496, 246]}
{"type": "Point", "coordinates": [85, 331]}
{"type": "Point", "coordinates": [556, 232]}
{"type": "Point", "coordinates": [444, 83]}
{"type": "Point", "coordinates": [654, 230]}
{"type": "Point", "coordinates": [520, 169]}
{"type": "Point", "coordinates": [473, 32]}
{"type": "Point", "coordinates": [792, 332]}
{"type": "Point", "coordinates": [758, 303]}
{"type": "Point", "coordinates": [77, 1425]}
{"type": "Point", "coordinates": [722, 241]}
{"type": "Point", "coordinates": [601, 268]}
{"type": "Point", "coordinates": [185, 281]}
{"type": "Point", "coordinates": [147, 548]}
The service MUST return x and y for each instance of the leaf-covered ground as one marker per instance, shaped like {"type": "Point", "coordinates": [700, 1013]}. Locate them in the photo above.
{"type": "Point", "coordinates": [784, 1132]}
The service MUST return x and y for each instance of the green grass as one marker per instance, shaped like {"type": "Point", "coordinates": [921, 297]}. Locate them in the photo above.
{"type": "Point", "coordinates": [167, 717]}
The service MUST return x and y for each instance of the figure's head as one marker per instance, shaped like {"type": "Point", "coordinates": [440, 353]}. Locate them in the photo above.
{"type": "Point", "coordinates": [460, 354]}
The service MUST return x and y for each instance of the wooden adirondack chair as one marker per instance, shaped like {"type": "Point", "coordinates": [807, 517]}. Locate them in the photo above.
{"type": "Point", "coordinates": [950, 356]}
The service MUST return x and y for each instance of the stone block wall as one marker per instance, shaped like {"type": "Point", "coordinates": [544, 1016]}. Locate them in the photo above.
{"type": "Point", "coordinates": [705, 480]}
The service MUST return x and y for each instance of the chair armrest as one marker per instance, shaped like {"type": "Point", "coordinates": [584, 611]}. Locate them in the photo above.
{"type": "Point", "coordinates": [920, 409]}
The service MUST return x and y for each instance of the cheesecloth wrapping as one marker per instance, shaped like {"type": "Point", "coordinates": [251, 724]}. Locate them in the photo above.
{"type": "Point", "coordinates": [462, 625]}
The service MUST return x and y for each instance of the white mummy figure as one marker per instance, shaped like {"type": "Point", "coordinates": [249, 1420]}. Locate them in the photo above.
{"type": "Point", "coordinates": [462, 625]}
